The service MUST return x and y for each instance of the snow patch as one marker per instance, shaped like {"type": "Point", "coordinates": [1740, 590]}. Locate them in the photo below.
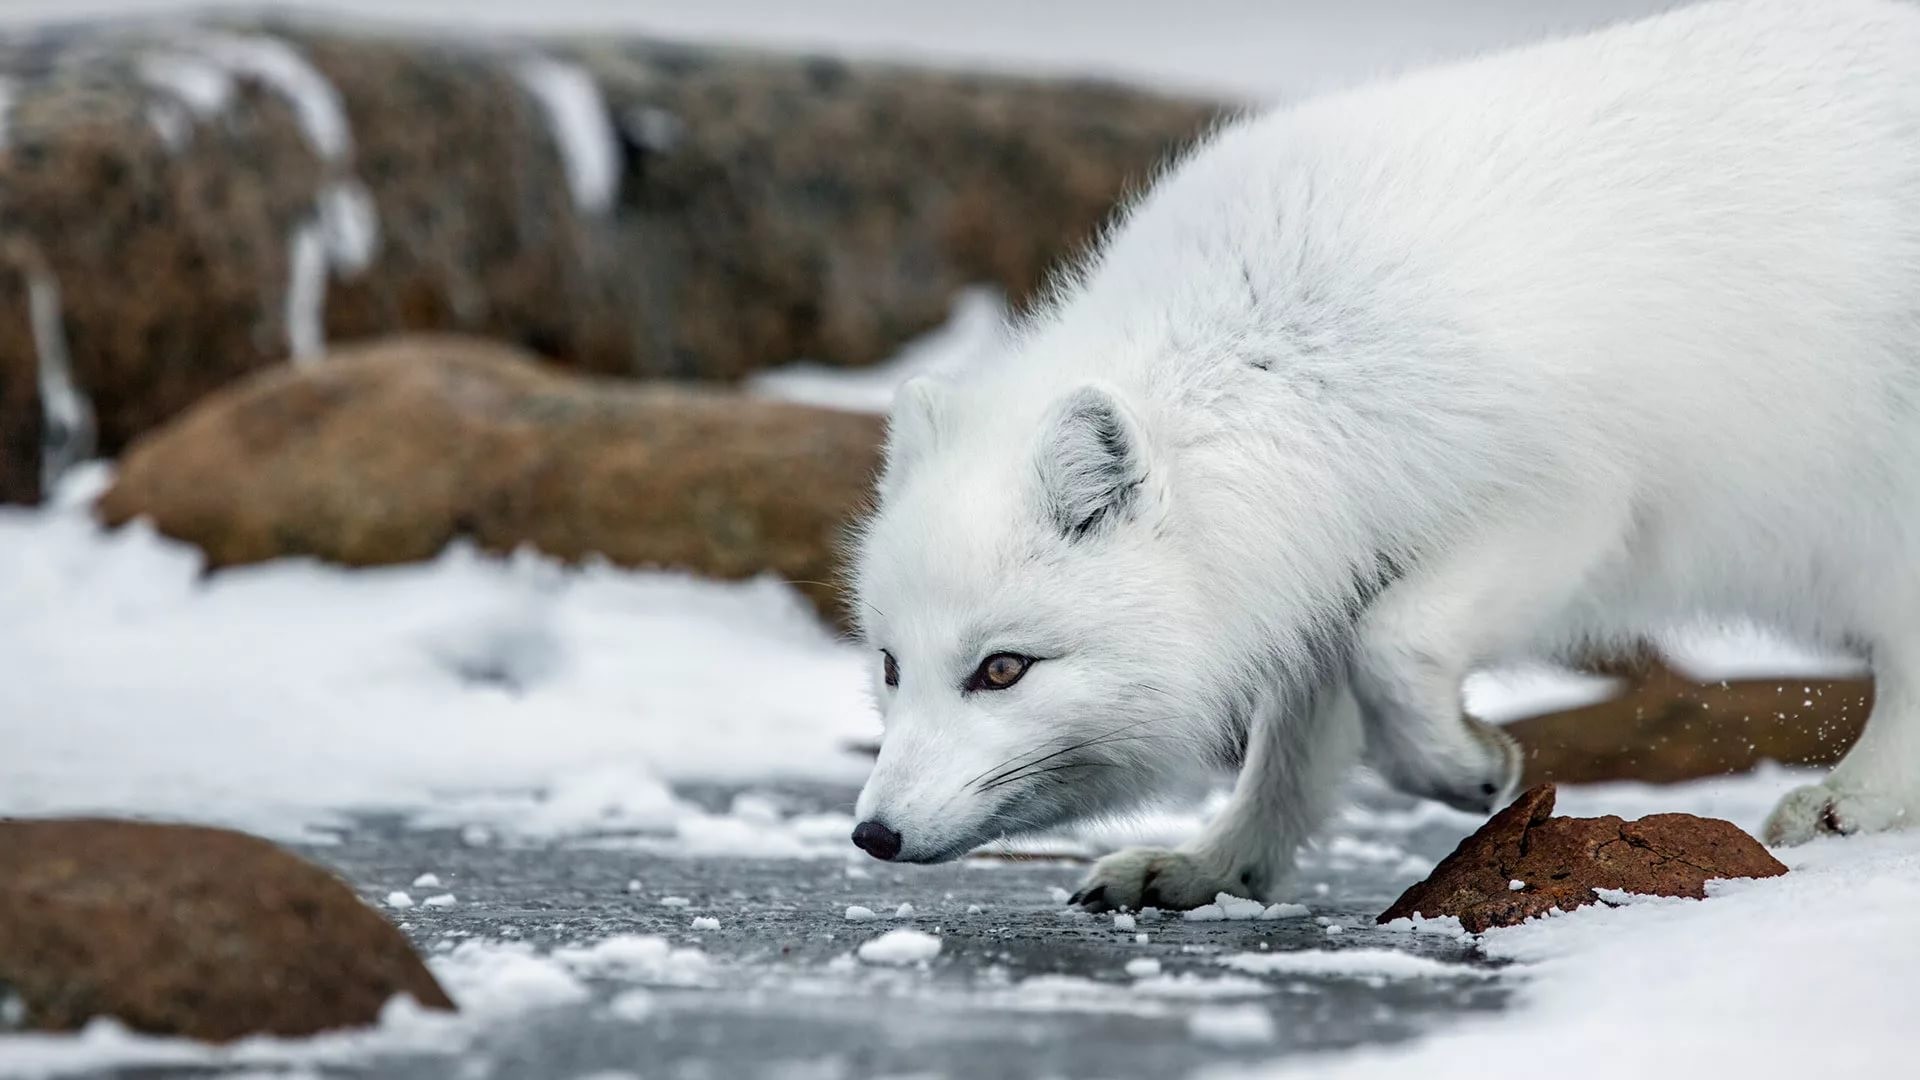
{"type": "Point", "coordinates": [399, 901]}
{"type": "Point", "coordinates": [856, 913]}
{"type": "Point", "coordinates": [1228, 908]}
{"type": "Point", "coordinates": [976, 328]}
{"type": "Point", "coordinates": [66, 416]}
{"type": "Point", "coordinates": [1232, 1025]}
{"type": "Point", "coordinates": [1350, 964]}
{"type": "Point", "coordinates": [900, 947]}
{"type": "Point", "coordinates": [705, 922]}
{"type": "Point", "coordinates": [581, 130]}
{"type": "Point", "coordinates": [642, 958]}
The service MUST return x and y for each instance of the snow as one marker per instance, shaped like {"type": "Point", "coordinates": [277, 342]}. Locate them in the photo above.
{"type": "Point", "coordinates": [1368, 963]}
{"type": "Point", "coordinates": [509, 695]}
{"type": "Point", "coordinates": [1122, 921]}
{"type": "Point", "coordinates": [856, 913]}
{"type": "Point", "coordinates": [306, 297]}
{"type": "Point", "coordinates": [582, 132]}
{"type": "Point", "coordinates": [1141, 967]}
{"type": "Point", "coordinates": [1516, 885]}
{"type": "Point", "coordinates": [643, 958]}
{"type": "Point", "coordinates": [349, 225]}
{"type": "Point", "coordinates": [705, 922]}
{"type": "Point", "coordinates": [1232, 1025]}
{"type": "Point", "coordinates": [976, 326]}
{"type": "Point", "coordinates": [1228, 908]}
{"type": "Point", "coordinates": [315, 103]}
{"type": "Point", "coordinates": [440, 900]}
{"type": "Point", "coordinates": [904, 911]}
{"type": "Point", "coordinates": [675, 901]}
{"type": "Point", "coordinates": [427, 881]}
{"type": "Point", "coordinates": [399, 900]}
{"type": "Point", "coordinates": [900, 947]}
{"type": "Point", "coordinates": [67, 415]}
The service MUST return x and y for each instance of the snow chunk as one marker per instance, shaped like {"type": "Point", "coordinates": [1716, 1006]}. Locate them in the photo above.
{"type": "Point", "coordinates": [1059, 895]}
{"type": "Point", "coordinates": [1140, 938]}
{"type": "Point", "coordinates": [1189, 986]}
{"type": "Point", "coordinates": [1122, 921]}
{"type": "Point", "coordinates": [496, 979]}
{"type": "Point", "coordinates": [1231, 1025]}
{"type": "Point", "coordinates": [399, 901]}
{"type": "Point", "coordinates": [646, 958]}
{"type": "Point", "coordinates": [900, 947]}
{"type": "Point", "coordinates": [1350, 964]}
{"type": "Point", "coordinates": [1516, 885]}
{"type": "Point", "coordinates": [444, 899]}
{"type": "Point", "coordinates": [66, 414]}
{"type": "Point", "coordinates": [705, 922]}
{"type": "Point", "coordinates": [675, 901]}
{"type": "Point", "coordinates": [1228, 908]}
{"type": "Point", "coordinates": [904, 911]}
{"type": "Point", "coordinates": [1143, 966]}
{"type": "Point", "coordinates": [856, 913]}
{"type": "Point", "coordinates": [582, 131]}
{"type": "Point", "coordinates": [427, 881]}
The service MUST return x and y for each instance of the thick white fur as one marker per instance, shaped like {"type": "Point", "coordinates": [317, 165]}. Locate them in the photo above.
{"type": "Point", "coordinates": [1543, 351]}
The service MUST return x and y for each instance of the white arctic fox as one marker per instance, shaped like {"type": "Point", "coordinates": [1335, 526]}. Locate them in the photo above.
{"type": "Point", "coordinates": [1534, 353]}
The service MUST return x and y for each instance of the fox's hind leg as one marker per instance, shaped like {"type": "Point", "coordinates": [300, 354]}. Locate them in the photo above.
{"type": "Point", "coordinates": [1423, 634]}
{"type": "Point", "coordinates": [1877, 785]}
{"type": "Point", "coordinates": [1296, 760]}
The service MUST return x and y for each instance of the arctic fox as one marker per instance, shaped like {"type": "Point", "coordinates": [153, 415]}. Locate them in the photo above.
{"type": "Point", "coordinates": [1536, 353]}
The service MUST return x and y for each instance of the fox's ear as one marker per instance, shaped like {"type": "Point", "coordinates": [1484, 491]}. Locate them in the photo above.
{"type": "Point", "coordinates": [1092, 462]}
{"type": "Point", "coordinates": [913, 427]}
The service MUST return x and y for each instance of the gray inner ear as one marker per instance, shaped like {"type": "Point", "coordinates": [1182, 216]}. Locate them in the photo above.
{"type": "Point", "coordinates": [1092, 464]}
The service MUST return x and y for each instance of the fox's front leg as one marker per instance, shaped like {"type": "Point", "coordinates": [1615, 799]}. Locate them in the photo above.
{"type": "Point", "coordinates": [1419, 639]}
{"type": "Point", "coordinates": [1287, 785]}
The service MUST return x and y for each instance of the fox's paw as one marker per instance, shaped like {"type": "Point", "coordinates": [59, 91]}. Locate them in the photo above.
{"type": "Point", "coordinates": [1823, 810]}
{"type": "Point", "coordinates": [1139, 878]}
{"type": "Point", "coordinates": [1479, 774]}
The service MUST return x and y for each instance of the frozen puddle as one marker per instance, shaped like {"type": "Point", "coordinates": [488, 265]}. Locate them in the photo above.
{"type": "Point", "coordinates": [570, 961]}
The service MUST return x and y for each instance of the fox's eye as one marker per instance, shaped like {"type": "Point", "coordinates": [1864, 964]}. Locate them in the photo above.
{"type": "Point", "coordinates": [892, 668]}
{"type": "Point", "coordinates": [999, 671]}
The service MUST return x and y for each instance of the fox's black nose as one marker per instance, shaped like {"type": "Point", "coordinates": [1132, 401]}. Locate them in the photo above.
{"type": "Point", "coordinates": [876, 840]}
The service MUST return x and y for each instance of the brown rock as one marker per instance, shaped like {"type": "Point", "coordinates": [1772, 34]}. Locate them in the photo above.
{"type": "Point", "coordinates": [386, 452]}
{"type": "Point", "coordinates": [767, 208]}
{"type": "Point", "coordinates": [189, 931]}
{"type": "Point", "coordinates": [1562, 861]}
{"type": "Point", "coordinates": [1665, 728]}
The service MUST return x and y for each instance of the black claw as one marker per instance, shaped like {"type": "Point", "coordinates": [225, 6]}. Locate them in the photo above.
{"type": "Point", "coordinates": [1094, 899]}
{"type": "Point", "coordinates": [1077, 897]}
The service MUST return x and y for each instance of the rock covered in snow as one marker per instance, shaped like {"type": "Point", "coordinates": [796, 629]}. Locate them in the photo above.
{"type": "Point", "coordinates": [1563, 863]}
{"type": "Point", "coordinates": [210, 199]}
{"type": "Point", "coordinates": [181, 930]}
{"type": "Point", "coordinates": [384, 453]}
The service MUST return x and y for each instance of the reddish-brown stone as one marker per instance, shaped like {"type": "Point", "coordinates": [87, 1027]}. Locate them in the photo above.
{"type": "Point", "coordinates": [181, 930]}
{"type": "Point", "coordinates": [1562, 862]}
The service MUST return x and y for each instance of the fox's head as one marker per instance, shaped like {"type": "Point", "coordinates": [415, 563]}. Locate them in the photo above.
{"type": "Point", "coordinates": [1038, 652]}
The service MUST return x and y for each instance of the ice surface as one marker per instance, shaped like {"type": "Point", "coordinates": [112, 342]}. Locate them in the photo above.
{"type": "Point", "coordinates": [900, 947]}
